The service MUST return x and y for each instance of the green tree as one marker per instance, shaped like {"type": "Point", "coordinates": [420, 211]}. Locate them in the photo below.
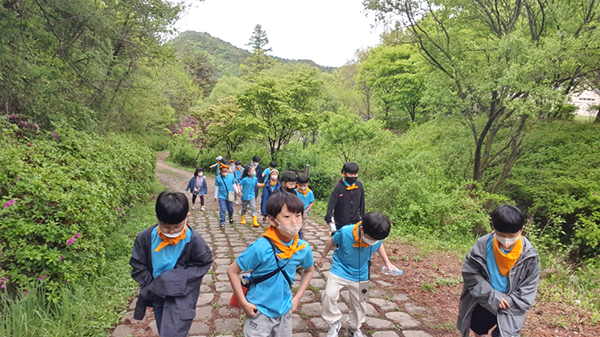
{"type": "Point", "coordinates": [284, 106]}
{"type": "Point", "coordinates": [259, 40]}
{"type": "Point", "coordinates": [506, 63]}
{"type": "Point", "coordinates": [397, 74]}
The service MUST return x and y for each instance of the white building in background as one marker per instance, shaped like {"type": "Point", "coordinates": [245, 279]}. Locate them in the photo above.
{"type": "Point", "coordinates": [584, 101]}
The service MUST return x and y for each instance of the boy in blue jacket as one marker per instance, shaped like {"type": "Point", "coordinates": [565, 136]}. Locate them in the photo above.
{"type": "Point", "coordinates": [169, 260]}
{"type": "Point", "coordinates": [197, 186]}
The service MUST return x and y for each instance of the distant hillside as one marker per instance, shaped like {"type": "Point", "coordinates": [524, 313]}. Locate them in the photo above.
{"type": "Point", "coordinates": [223, 55]}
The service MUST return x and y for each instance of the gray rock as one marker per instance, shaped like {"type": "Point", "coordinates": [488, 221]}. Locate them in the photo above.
{"type": "Point", "coordinates": [312, 309]}
{"type": "Point", "coordinates": [298, 324]}
{"type": "Point", "coordinates": [384, 305]}
{"type": "Point", "coordinates": [385, 334]}
{"type": "Point", "coordinates": [400, 297]}
{"type": "Point", "coordinates": [416, 334]}
{"type": "Point", "coordinates": [222, 269]}
{"type": "Point", "coordinates": [122, 331]}
{"type": "Point", "coordinates": [227, 324]}
{"type": "Point", "coordinates": [317, 282]}
{"type": "Point", "coordinates": [203, 312]}
{"type": "Point", "coordinates": [205, 299]}
{"type": "Point", "coordinates": [403, 319]}
{"type": "Point", "coordinates": [319, 323]}
{"type": "Point", "coordinates": [205, 289]}
{"type": "Point", "coordinates": [128, 318]}
{"type": "Point", "coordinates": [198, 328]}
{"type": "Point", "coordinates": [222, 277]}
{"type": "Point", "coordinates": [377, 323]}
{"type": "Point", "coordinates": [224, 299]}
{"type": "Point", "coordinates": [223, 286]}
{"type": "Point", "coordinates": [307, 297]}
{"type": "Point", "coordinates": [412, 308]}
{"type": "Point", "coordinates": [229, 311]}
{"type": "Point", "coordinates": [371, 310]}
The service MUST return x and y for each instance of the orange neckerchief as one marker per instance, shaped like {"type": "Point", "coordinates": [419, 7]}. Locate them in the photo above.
{"type": "Point", "coordinates": [304, 193]}
{"type": "Point", "coordinates": [506, 261]}
{"type": "Point", "coordinates": [357, 240]}
{"type": "Point", "coordinates": [286, 251]}
{"type": "Point", "coordinates": [238, 169]}
{"type": "Point", "coordinates": [223, 166]}
{"type": "Point", "coordinates": [169, 241]}
{"type": "Point", "coordinates": [273, 182]}
{"type": "Point", "coordinates": [351, 187]}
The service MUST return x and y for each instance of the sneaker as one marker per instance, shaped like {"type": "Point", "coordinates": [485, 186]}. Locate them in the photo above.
{"type": "Point", "coordinates": [354, 333]}
{"type": "Point", "coordinates": [231, 221]}
{"type": "Point", "coordinates": [222, 225]}
{"type": "Point", "coordinates": [193, 206]}
{"type": "Point", "coordinates": [334, 329]}
{"type": "Point", "coordinates": [203, 209]}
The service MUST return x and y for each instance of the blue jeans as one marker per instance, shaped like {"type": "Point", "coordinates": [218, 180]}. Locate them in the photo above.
{"type": "Point", "coordinates": [157, 304]}
{"type": "Point", "coordinates": [223, 203]}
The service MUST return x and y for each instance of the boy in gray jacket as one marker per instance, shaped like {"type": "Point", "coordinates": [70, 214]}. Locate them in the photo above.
{"type": "Point", "coordinates": [501, 274]}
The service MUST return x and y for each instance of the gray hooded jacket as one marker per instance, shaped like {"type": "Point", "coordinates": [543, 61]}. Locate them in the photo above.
{"type": "Point", "coordinates": [523, 282]}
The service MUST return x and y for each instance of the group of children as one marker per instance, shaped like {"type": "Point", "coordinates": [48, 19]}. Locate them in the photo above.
{"type": "Point", "coordinates": [235, 181]}
{"type": "Point", "coordinates": [169, 259]}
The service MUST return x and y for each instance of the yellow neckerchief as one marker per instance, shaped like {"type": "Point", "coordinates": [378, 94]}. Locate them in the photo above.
{"type": "Point", "coordinates": [304, 193]}
{"type": "Point", "coordinates": [358, 242]}
{"type": "Point", "coordinates": [169, 241]}
{"type": "Point", "coordinates": [506, 261]}
{"type": "Point", "coordinates": [286, 251]}
{"type": "Point", "coordinates": [350, 187]}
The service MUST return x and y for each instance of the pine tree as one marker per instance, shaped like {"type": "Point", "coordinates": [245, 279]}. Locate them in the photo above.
{"type": "Point", "coordinates": [259, 40]}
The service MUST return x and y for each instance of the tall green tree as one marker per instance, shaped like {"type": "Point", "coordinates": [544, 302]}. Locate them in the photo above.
{"type": "Point", "coordinates": [505, 62]}
{"type": "Point", "coordinates": [259, 40]}
{"type": "Point", "coordinates": [283, 106]}
{"type": "Point", "coordinates": [397, 74]}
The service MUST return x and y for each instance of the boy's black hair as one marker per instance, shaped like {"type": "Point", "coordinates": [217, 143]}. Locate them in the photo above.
{"type": "Point", "coordinates": [288, 176]}
{"type": "Point", "coordinates": [302, 178]}
{"type": "Point", "coordinates": [256, 159]}
{"type": "Point", "coordinates": [350, 167]}
{"type": "Point", "coordinates": [273, 164]}
{"type": "Point", "coordinates": [224, 161]}
{"type": "Point", "coordinates": [237, 162]}
{"type": "Point", "coordinates": [199, 169]}
{"type": "Point", "coordinates": [171, 207]}
{"type": "Point", "coordinates": [376, 225]}
{"type": "Point", "coordinates": [276, 202]}
{"type": "Point", "coordinates": [507, 219]}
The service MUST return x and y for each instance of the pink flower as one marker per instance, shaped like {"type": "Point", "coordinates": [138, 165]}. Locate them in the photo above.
{"type": "Point", "coordinates": [2, 286]}
{"type": "Point", "coordinates": [7, 205]}
{"type": "Point", "coordinates": [131, 216]}
{"type": "Point", "coordinates": [66, 282]}
{"type": "Point", "coordinates": [30, 144]}
{"type": "Point", "coordinates": [25, 292]}
{"type": "Point", "coordinates": [40, 278]}
{"type": "Point", "coordinates": [78, 235]}
{"type": "Point", "coordinates": [19, 179]}
{"type": "Point", "coordinates": [45, 275]}
{"type": "Point", "coordinates": [118, 208]}
{"type": "Point", "coordinates": [133, 196]}
{"type": "Point", "coordinates": [61, 257]}
{"type": "Point", "coordinates": [131, 205]}
{"type": "Point", "coordinates": [71, 240]}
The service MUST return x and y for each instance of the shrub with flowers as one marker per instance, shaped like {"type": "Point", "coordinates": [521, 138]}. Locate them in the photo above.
{"type": "Point", "coordinates": [60, 194]}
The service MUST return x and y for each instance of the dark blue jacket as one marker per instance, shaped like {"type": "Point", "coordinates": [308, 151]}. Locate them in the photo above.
{"type": "Point", "coordinates": [267, 191]}
{"type": "Point", "coordinates": [192, 184]}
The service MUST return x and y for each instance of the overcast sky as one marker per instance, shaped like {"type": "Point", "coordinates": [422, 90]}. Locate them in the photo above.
{"type": "Point", "coordinates": [325, 31]}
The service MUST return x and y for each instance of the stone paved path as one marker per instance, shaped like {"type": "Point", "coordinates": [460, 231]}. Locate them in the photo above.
{"type": "Point", "coordinates": [389, 312]}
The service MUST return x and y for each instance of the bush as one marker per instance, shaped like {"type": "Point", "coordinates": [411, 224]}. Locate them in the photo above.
{"type": "Point", "coordinates": [556, 181]}
{"type": "Point", "coordinates": [63, 194]}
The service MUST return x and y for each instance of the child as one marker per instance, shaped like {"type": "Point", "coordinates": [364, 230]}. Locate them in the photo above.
{"type": "Point", "coordinates": [197, 186]}
{"type": "Point", "coordinates": [258, 169]}
{"type": "Point", "coordinates": [288, 182]}
{"type": "Point", "coordinates": [169, 260]}
{"type": "Point", "coordinates": [347, 200]}
{"type": "Point", "coordinates": [217, 164]}
{"type": "Point", "coordinates": [269, 304]}
{"type": "Point", "coordinates": [355, 246]}
{"type": "Point", "coordinates": [225, 183]}
{"type": "Point", "coordinates": [238, 170]}
{"type": "Point", "coordinates": [271, 186]}
{"type": "Point", "coordinates": [272, 166]}
{"type": "Point", "coordinates": [501, 274]}
{"type": "Point", "coordinates": [247, 184]}
{"type": "Point", "coordinates": [308, 198]}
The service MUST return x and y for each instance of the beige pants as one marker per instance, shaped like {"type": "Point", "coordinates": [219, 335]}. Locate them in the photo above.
{"type": "Point", "coordinates": [331, 312]}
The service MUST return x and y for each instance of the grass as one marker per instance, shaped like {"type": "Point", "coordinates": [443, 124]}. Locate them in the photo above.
{"type": "Point", "coordinates": [89, 307]}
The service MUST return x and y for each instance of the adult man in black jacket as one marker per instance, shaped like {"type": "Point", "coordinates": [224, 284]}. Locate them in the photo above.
{"type": "Point", "coordinates": [347, 200]}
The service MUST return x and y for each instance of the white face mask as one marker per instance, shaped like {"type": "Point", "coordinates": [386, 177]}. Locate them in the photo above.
{"type": "Point", "coordinates": [200, 174]}
{"type": "Point", "coordinates": [370, 242]}
{"type": "Point", "coordinates": [290, 230]}
{"type": "Point", "coordinates": [507, 241]}
{"type": "Point", "coordinates": [274, 177]}
{"type": "Point", "coordinates": [302, 188]}
{"type": "Point", "coordinates": [172, 236]}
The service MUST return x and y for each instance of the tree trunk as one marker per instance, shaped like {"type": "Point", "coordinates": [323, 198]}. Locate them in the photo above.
{"type": "Point", "coordinates": [597, 119]}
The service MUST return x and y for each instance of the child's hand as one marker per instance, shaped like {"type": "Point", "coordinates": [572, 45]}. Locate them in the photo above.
{"type": "Point", "coordinates": [295, 303]}
{"type": "Point", "coordinates": [240, 194]}
{"type": "Point", "coordinates": [391, 266]}
{"type": "Point", "coordinates": [504, 304]}
{"type": "Point", "coordinates": [249, 309]}
{"type": "Point", "coordinates": [216, 200]}
{"type": "Point", "coordinates": [320, 262]}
